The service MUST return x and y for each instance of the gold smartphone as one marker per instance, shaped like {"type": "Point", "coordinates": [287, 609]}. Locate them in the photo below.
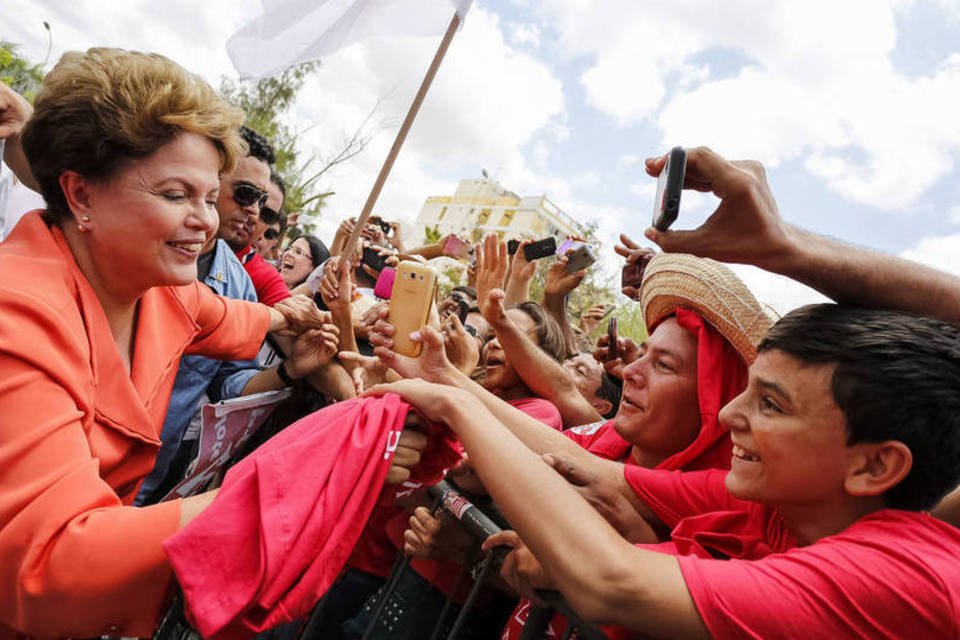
{"type": "Point", "coordinates": [413, 292]}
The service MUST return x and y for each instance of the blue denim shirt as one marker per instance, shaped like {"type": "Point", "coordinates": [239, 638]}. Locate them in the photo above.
{"type": "Point", "coordinates": [198, 375]}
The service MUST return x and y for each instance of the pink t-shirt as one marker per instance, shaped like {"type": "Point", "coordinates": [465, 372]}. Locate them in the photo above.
{"type": "Point", "coordinates": [892, 573]}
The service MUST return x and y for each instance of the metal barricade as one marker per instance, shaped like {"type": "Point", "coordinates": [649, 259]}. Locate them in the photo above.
{"type": "Point", "coordinates": [455, 504]}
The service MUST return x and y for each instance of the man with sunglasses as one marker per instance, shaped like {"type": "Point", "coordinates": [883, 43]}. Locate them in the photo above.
{"type": "Point", "coordinates": [243, 194]}
{"type": "Point", "coordinates": [271, 223]}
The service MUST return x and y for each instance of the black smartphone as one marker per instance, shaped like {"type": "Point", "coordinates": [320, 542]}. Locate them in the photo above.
{"type": "Point", "coordinates": [612, 351]}
{"type": "Point", "coordinates": [512, 246]}
{"type": "Point", "coordinates": [580, 258]}
{"type": "Point", "coordinates": [666, 204]}
{"type": "Point", "coordinates": [373, 259]}
{"type": "Point", "coordinates": [540, 249]}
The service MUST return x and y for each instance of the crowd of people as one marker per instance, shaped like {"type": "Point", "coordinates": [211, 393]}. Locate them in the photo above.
{"type": "Point", "coordinates": [730, 474]}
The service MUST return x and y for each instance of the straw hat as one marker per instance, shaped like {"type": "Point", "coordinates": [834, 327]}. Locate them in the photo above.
{"type": "Point", "coordinates": [711, 289]}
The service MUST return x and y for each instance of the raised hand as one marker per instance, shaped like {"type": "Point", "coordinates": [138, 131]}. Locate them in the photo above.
{"type": "Point", "coordinates": [627, 352]}
{"type": "Point", "coordinates": [590, 319]}
{"type": "Point", "coordinates": [558, 282]}
{"type": "Point", "coordinates": [432, 363]}
{"type": "Point", "coordinates": [462, 349]}
{"type": "Point", "coordinates": [746, 227]}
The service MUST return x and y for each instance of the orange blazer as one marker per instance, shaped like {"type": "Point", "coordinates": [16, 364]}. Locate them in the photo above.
{"type": "Point", "coordinates": [78, 435]}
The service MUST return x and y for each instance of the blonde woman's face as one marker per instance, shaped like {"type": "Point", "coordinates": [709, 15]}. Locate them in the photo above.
{"type": "Point", "coordinates": [149, 222]}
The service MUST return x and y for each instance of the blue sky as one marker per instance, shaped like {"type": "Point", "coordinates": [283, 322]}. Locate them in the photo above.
{"type": "Point", "coordinates": [851, 105]}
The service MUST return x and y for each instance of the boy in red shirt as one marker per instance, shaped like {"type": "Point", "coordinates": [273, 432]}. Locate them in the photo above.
{"type": "Point", "coordinates": [848, 429]}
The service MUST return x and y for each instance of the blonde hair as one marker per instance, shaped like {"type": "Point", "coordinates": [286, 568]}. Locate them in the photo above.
{"type": "Point", "coordinates": [98, 109]}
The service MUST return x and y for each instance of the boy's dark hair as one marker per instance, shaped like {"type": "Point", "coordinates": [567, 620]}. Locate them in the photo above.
{"type": "Point", "coordinates": [897, 377]}
{"type": "Point", "coordinates": [549, 334]}
{"type": "Point", "coordinates": [260, 148]}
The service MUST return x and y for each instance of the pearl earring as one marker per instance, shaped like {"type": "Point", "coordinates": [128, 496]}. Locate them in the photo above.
{"type": "Point", "coordinates": [82, 225]}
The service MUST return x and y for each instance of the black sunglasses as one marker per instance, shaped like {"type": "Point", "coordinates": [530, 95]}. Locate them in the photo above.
{"type": "Point", "coordinates": [271, 233]}
{"type": "Point", "coordinates": [268, 215]}
{"type": "Point", "coordinates": [247, 194]}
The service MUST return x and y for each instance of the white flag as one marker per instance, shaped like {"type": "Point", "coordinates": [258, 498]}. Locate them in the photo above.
{"type": "Point", "coordinates": [294, 31]}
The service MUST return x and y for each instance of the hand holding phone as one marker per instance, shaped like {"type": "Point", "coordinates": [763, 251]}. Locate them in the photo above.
{"type": "Point", "coordinates": [456, 247]}
{"type": "Point", "coordinates": [613, 352]}
{"type": "Point", "coordinates": [581, 258]}
{"type": "Point", "coordinates": [540, 249]}
{"type": "Point", "coordinates": [413, 291]}
{"type": "Point", "coordinates": [666, 204]}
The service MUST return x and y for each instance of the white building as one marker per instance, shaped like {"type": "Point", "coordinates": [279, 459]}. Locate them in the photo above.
{"type": "Point", "coordinates": [479, 207]}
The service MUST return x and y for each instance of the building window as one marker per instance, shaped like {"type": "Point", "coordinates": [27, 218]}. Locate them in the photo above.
{"type": "Point", "coordinates": [507, 218]}
{"type": "Point", "coordinates": [484, 216]}
{"type": "Point", "coordinates": [443, 212]}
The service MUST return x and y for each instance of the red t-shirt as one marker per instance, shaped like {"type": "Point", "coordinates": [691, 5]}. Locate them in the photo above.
{"type": "Point", "coordinates": [270, 287]}
{"type": "Point", "coordinates": [892, 573]}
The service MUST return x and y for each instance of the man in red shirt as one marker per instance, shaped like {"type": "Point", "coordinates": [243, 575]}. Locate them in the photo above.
{"type": "Point", "coordinates": [243, 192]}
{"type": "Point", "coordinates": [849, 428]}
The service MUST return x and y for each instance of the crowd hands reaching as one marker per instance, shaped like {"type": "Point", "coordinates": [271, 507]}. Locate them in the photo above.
{"type": "Point", "coordinates": [626, 472]}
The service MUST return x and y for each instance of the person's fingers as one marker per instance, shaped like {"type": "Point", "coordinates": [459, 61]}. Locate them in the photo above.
{"type": "Point", "coordinates": [457, 326]}
{"type": "Point", "coordinates": [396, 475]}
{"type": "Point", "coordinates": [359, 377]}
{"type": "Point", "coordinates": [428, 337]}
{"type": "Point", "coordinates": [412, 439]}
{"type": "Point", "coordinates": [628, 242]}
{"type": "Point", "coordinates": [384, 328]}
{"type": "Point", "coordinates": [506, 538]}
{"type": "Point", "coordinates": [630, 292]}
{"type": "Point", "coordinates": [566, 468]}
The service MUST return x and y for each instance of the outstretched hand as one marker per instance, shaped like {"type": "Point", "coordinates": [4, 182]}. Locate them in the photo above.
{"type": "Point", "coordinates": [431, 364]}
{"type": "Point", "coordinates": [435, 402]}
{"type": "Point", "coordinates": [605, 489]}
{"type": "Point", "coordinates": [745, 228]}
{"type": "Point", "coordinates": [301, 315]}
{"type": "Point", "coordinates": [312, 349]}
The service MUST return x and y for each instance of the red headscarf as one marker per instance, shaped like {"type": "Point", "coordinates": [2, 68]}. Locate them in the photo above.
{"type": "Point", "coordinates": [721, 376]}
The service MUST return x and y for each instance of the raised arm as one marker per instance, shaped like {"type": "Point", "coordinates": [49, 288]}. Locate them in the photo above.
{"type": "Point", "coordinates": [619, 583]}
{"type": "Point", "coordinates": [747, 228]}
{"type": "Point", "coordinates": [542, 374]}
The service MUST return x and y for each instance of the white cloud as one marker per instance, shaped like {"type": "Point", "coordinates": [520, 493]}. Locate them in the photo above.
{"type": "Point", "coordinates": [524, 34]}
{"type": "Point", "coordinates": [815, 83]}
{"type": "Point", "coordinates": [941, 252]}
{"type": "Point", "coordinates": [953, 214]}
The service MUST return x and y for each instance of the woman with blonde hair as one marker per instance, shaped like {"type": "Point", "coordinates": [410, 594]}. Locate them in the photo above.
{"type": "Point", "coordinates": [100, 301]}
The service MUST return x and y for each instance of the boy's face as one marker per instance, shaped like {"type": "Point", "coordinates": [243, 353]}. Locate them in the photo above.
{"type": "Point", "coordinates": [789, 437]}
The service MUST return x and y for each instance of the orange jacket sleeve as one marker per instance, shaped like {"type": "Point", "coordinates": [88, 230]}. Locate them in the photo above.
{"type": "Point", "coordinates": [229, 329]}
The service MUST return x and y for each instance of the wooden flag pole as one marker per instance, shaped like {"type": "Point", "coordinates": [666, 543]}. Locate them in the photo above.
{"type": "Point", "coordinates": [401, 136]}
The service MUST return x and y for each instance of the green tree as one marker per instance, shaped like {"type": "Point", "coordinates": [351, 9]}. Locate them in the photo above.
{"type": "Point", "coordinates": [267, 103]}
{"type": "Point", "coordinates": [20, 74]}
